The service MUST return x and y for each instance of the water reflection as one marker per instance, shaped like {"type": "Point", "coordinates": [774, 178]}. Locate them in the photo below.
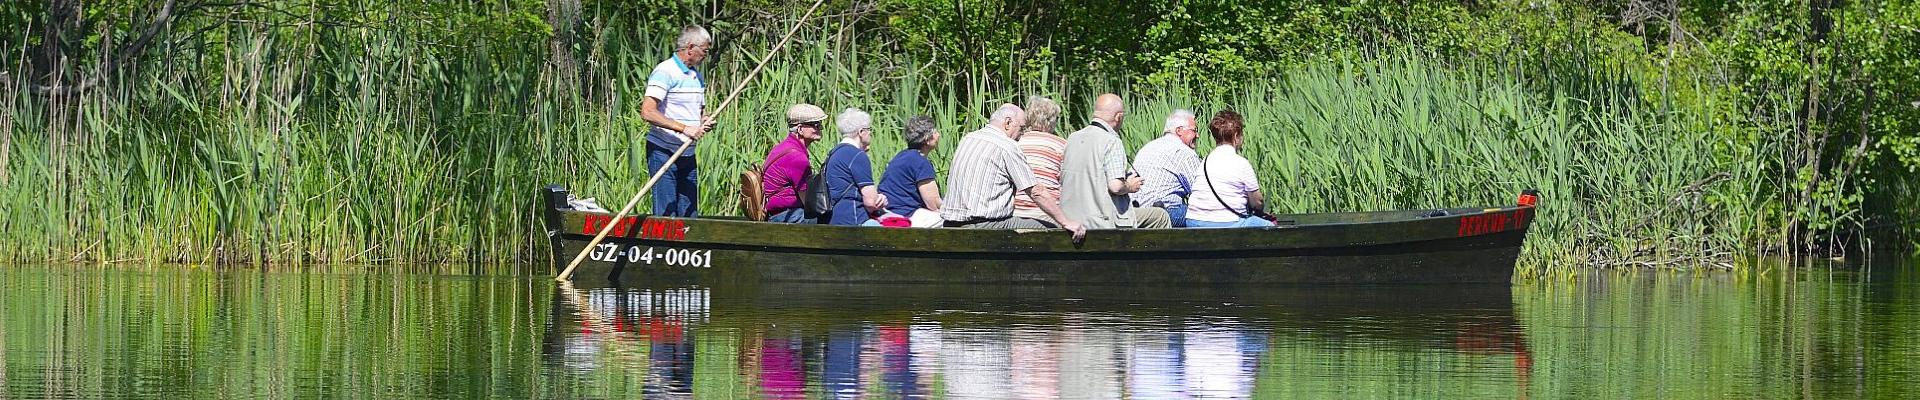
{"type": "Point", "coordinates": [643, 334]}
{"type": "Point", "coordinates": [914, 341]}
{"type": "Point", "coordinates": [391, 332]}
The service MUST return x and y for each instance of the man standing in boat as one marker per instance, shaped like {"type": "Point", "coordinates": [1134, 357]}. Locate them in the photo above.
{"type": "Point", "coordinates": [1094, 179]}
{"type": "Point", "coordinates": [1168, 167]}
{"type": "Point", "coordinates": [676, 98]}
{"type": "Point", "coordinates": [987, 170]}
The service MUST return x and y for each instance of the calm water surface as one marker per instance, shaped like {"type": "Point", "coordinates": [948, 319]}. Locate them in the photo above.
{"type": "Point", "coordinates": [384, 332]}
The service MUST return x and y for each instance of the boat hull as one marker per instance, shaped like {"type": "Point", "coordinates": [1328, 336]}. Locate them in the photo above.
{"type": "Point", "coordinates": [1464, 246]}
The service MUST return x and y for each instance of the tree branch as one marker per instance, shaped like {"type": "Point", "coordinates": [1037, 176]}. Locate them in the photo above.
{"type": "Point", "coordinates": [122, 56]}
{"type": "Point", "coordinates": [118, 56]}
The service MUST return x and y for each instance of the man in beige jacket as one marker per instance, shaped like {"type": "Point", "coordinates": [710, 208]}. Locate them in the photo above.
{"type": "Point", "coordinates": [1094, 180]}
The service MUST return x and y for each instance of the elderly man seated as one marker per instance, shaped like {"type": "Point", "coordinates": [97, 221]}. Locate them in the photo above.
{"type": "Point", "coordinates": [987, 170]}
{"type": "Point", "coordinates": [1168, 167]}
{"type": "Point", "coordinates": [787, 165]}
{"type": "Point", "coordinates": [1094, 180]}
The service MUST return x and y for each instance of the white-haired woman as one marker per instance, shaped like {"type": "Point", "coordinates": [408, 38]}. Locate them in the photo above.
{"type": "Point", "coordinates": [849, 172]}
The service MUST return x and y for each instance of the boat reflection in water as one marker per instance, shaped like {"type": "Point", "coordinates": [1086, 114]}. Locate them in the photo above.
{"type": "Point", "coordinates": [801, 340]}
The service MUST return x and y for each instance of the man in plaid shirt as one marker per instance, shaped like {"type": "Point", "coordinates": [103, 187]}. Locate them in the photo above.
{"type": "Point", "coordinates": [1168, 166]}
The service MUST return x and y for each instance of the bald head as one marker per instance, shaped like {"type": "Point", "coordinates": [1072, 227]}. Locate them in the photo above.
{"type": "Point", "coordinates": [1110, 109]}
{"type": "Point", "coordinates": [1008, 118]}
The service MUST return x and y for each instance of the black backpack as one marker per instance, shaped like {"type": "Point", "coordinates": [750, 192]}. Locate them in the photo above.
{"type": "Point", "coordinates": [816, 200]}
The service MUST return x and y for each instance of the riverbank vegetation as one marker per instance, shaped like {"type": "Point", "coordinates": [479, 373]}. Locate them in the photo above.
{"type": "Point", "coordinates": [350, 131]}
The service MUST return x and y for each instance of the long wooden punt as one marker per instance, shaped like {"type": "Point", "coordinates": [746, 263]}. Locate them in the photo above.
{"type": "Point", "coordinates": [1462, 245]}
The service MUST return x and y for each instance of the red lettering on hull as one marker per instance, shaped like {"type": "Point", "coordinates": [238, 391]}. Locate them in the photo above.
{"type": "Point", "coordinates": [664, 229]}
{"type": "Point", "coordinates": [592, 224]}
{"type": "Point", "coordinates": [1475, 225]}
{"type": "Point", "coordinates": [653, 229]}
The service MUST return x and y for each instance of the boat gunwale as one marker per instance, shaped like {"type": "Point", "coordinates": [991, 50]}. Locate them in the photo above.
{"type": "Point", "coordinates": [1030, 242]}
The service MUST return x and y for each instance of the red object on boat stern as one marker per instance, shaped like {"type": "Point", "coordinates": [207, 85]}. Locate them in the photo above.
{"type": "Point", "coordinates": [1529, 197]}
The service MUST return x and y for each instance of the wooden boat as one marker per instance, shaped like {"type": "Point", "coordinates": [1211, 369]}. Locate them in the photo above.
{"type": "Point", "coordinates": [1463, 245]}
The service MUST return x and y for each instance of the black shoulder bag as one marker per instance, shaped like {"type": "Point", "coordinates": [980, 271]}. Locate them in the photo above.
{"type": "Point", "coordinates": [817, 200]}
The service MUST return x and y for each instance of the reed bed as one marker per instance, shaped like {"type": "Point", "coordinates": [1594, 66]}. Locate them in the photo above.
{"type": "Point", "coordinates": [386, 150]}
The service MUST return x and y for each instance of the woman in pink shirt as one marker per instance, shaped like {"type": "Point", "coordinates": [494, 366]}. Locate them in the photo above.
{"type": "Point", "coordinates": [787, 166]}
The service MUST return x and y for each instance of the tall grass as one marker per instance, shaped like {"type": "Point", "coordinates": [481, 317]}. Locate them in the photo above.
{"type": "Point", "coordinates": [357, 147]}
{"type": "Point", "coordinates": [287, 150]}
{"type": "Point", "coordinates": [1623, 183]}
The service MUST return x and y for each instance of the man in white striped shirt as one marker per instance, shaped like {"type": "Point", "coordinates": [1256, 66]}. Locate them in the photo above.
{"type": "Point", "coordinates": [987, 169]}
{"type": "Point", "coordinates": [1169, 167]}
{"type": "Point", "coordinates": [676, 98]}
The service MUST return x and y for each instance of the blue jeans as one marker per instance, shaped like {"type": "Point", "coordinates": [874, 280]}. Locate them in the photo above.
{"type": "Point", "coordinates": [1248, 222]}
{"type": "Point", "coordinates": [678, 192]}
{"type": "Point", "coordinates": [790, 216]}
{"type": "Point", "coordinates": [1178, 212]}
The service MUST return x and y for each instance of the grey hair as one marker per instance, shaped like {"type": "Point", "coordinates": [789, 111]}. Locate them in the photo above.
{"type": "Point", "coordinates": [852, 121]}
{"type": "Point", "coordinates": [1005, 111]}
{"type": "Point", "coordinates": [1042, 114]}
{"type": "Point", "coordinates": [1180, 117]}
{"type": "Point", "coordinates": [919, 132]}
{"type": "Point", "coordinates": [692, 35]}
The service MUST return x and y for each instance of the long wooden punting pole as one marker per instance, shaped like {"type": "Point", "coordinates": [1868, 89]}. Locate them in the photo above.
{"type": "Point", "coordinates": [568, 272]}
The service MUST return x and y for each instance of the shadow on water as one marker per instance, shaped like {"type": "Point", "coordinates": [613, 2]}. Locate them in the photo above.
{"type": "Point", "coordinates": [802, 339]}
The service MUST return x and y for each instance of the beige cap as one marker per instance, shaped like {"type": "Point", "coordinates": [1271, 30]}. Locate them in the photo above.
{"type": "Point", "coordinates": [804, 112]}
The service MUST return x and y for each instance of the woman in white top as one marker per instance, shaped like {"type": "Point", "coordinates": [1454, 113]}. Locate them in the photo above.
{"type": "Point", "coordinates": [1227, 194]}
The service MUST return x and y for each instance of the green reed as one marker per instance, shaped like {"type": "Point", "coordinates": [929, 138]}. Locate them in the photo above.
{"type": "Point", "coordinates": [374, 148]}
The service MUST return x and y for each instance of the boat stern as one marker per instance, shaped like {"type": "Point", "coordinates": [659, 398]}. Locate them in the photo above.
{"type": "Point", "coordinates": [553, 198]}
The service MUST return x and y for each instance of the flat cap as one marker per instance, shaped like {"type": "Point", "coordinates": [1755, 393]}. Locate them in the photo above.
{"type": "Point", "coordinates": [803, 113]}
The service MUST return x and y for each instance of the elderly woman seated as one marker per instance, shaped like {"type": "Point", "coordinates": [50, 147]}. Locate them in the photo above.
{"type": "Point", "coordinates": [912, 195]}
{"type": "Point", "coordinates": [849, 172]}
{"type": "Point", "coordinates": [1044, 152]}
{"type": "Point", "coordinates": [1228, 193]}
